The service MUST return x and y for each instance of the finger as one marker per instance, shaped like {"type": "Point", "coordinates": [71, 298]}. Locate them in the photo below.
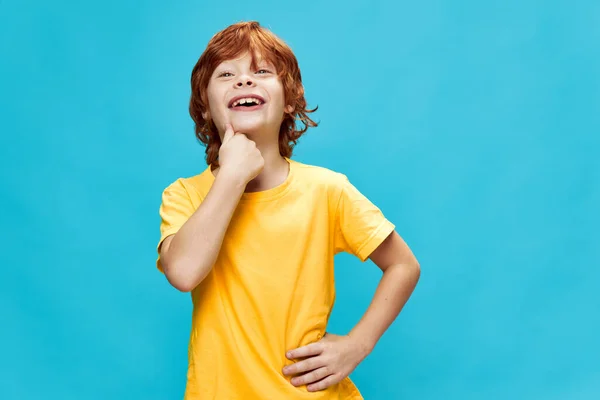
{"type": "Point", "coordinates": [323, 383]}
{"type": "Point", "coordinates": [312, 349]}
{"type": "Point", "coordinates": [312, 376]}
{"type": "Point", "coordinates": [228, 132]}
{"type": "Point", "coordinates": [303, 366]}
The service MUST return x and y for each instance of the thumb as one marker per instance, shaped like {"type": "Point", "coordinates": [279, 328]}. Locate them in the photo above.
{"type": "Point", "coordinates": [228, 132]}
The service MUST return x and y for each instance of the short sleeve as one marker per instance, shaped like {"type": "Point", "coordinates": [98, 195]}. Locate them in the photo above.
{"type": "Point", "coordinates": [360, 226]}
{"type": "Point", "coordinates": [176, 208]}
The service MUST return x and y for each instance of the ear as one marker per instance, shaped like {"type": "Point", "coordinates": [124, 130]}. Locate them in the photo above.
{"type": "Point", "coordinates": [289, 109]}
{"type": "Point", "coordinates": [205, 115]}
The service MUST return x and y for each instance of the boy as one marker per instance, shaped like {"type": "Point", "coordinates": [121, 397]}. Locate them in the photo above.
{"type": "Point", "coordinates": [253, 236]}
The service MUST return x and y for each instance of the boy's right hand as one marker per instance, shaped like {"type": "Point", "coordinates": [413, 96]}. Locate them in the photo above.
{"type": "Point", "coordinates": [239, 157]}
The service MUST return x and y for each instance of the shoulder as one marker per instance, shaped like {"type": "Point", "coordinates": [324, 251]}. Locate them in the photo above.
{"type": "Point", "coordinates": [329, 184]}
{"type": "Point", "coordinates": [320, 176]}
{"type": "Point", "coordinates": [194, 187]}
{"type": "Point", "coordinates": [337, 185]}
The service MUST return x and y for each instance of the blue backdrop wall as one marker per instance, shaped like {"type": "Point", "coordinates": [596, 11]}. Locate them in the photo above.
{"type": "Point", "coordinates": [473, 125]}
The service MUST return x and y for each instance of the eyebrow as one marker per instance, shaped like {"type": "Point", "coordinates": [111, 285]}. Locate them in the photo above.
{"type": "Point", "coordinates": [260, 62]}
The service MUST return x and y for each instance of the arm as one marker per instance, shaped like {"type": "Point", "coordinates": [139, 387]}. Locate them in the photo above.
{"type": "Point", "coordinates": [188, 256]}
{"type": "Point", "coordinates": [334, 357]}
{"type": "Point", "coordinates": [401, 272]}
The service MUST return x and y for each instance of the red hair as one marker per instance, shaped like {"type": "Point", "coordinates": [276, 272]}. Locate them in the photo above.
{"type": "Point", "coordinates": [233, 41]}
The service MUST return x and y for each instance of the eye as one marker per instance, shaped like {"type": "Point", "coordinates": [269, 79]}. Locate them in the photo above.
{"type": "Point", "coordinates": [225, 74]}
{"type": "Point", "coordinates": [263, 71]}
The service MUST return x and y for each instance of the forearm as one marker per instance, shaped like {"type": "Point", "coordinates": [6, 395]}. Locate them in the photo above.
{"type": "Point", "coordinates": [194, 248]}
{"type": "Point", "coordinates": [393, 291]}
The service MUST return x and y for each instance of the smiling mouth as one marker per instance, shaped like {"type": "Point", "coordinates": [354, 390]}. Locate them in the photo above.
{"type": "Point", "coordinates": [246, 103]}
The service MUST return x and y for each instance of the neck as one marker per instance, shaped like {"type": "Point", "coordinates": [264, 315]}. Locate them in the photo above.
{"type": "Point", "coordinates": [275, 171]}
{"type": "Point", "coordinates": [276, 168]}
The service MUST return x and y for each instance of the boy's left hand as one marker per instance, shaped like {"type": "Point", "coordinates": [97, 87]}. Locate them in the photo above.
{"type": "Point", "coordinates": [328, 361]}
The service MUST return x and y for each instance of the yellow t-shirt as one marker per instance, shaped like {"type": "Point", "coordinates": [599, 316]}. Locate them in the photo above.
{"type": "Point", "coordinates": [271, 288]}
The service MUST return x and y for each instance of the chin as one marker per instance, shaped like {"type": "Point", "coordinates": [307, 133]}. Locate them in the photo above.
{"type": "Point", "coordinates": [247, 125]}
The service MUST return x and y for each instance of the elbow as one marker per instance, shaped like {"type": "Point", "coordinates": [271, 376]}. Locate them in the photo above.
{"type": "Point", "coordinates": [183, 286]}
{"type": "Point", "coordinates": [179, 280]}
{"type": "Point", "coordinates": [417, 269]}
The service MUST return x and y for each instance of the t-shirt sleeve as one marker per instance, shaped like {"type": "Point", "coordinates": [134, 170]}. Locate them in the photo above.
{"type": "Point", "coordinates": [360, 226]}
{"type": "Point", "coordinates": [176, 208]}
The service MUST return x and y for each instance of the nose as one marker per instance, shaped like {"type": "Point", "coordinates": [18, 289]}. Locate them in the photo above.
{"type": "Point", "coordinates": [244, 81]}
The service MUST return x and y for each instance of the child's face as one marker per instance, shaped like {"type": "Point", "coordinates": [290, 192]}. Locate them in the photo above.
{"type": "Point", "coordinates": [234, 78]}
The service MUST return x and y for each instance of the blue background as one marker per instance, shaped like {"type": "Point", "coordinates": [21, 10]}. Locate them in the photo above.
{"type": "Point", "coordinates": [475, 127]}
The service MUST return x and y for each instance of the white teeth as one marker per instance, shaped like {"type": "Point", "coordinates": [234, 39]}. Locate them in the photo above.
{"type": "Point", "coordinates": [246, 100]}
